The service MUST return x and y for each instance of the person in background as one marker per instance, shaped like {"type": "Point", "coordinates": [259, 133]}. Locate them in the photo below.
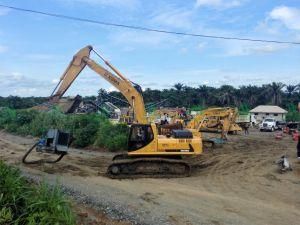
{"type": "Point", "coordinates": [168, 119]}
{"type": "Point", "coordinates": [163, 119]}
{"type": "Point", "coordinates": [298, 148]}
{"type": "Point", "coordinates": [246, 128]}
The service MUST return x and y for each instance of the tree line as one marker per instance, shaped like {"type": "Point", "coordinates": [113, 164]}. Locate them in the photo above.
{"type": "Point", "coordinates": [244, 97]}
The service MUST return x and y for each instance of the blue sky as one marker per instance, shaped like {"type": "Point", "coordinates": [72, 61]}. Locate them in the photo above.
{"type": "Point", "coordinates": [35, 49]}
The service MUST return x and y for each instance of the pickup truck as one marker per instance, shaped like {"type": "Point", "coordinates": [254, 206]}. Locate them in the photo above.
{"type": "Point", "coordinates": [268, 124]}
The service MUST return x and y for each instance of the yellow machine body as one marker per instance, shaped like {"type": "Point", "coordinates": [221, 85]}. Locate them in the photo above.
{"type": "Point", "coordinates": [216, 120]}
{"type": "Point", "coordinates": [164, 145]}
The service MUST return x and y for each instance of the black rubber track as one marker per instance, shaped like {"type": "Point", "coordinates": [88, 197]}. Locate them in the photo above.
{"type": "Point", "coordinates": [162, 168]}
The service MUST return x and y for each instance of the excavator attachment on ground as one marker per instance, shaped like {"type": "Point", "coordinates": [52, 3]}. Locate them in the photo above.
{"type": "Point", "coordinates": [55, 142]}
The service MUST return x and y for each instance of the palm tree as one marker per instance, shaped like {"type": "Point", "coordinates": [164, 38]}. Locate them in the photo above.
{"type": "Point", "coordinates": [207, 95]}
{"type": "Point", "coordinates": [178, 86]}
{"type": "Point", "coordinates": [274, 91]}
{"type": "Point", "coordinates": [249, 94]}
{"type": "Point", "coordinates": [291, 89]}
{"type": "Point", "coordinates": [227, 95]}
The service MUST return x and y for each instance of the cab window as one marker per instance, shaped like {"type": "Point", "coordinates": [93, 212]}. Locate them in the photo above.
{"type": "Point", "coordinates": [140, 136]}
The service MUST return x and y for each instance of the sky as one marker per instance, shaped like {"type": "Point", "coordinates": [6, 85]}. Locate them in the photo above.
{"type": "Point", "coordinates": [36, 49]}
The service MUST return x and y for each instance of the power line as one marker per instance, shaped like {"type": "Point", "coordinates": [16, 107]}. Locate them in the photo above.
{"type": "Point", "coordinates": [146, 28]}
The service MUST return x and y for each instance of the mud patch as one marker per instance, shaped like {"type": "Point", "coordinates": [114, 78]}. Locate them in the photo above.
{"type": "Point", "coordinates": [271, 177]}
{"type": "Point", "coordinates": [62, 169]}
{"type": "Point", "coordinates": [150, 198]}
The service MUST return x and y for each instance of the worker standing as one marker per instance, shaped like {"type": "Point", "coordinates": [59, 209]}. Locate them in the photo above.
{"type": "Point", "coordinates": [163, 119]}
{"type": "Point", "coordinates": [246, 128]}
{"type": "Point", "coordinates": [298, 147]}
{"type": "Point", "coordinates": [168, 119]}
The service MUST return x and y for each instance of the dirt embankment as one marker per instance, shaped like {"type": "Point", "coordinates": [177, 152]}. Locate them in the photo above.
{"type": "Point", "coordinates": [234, 184]}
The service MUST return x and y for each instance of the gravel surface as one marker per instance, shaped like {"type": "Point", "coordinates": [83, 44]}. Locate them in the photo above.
{"type": "Point", "coordinates": [113, 209]}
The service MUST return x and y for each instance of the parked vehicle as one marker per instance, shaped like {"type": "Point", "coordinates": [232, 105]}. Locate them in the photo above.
{"type": "Point", "coordinates": [291, 127]}
{"type": "Point", "coordinates": [280, 125]}
{"type": "Point", "coordinates": [268, 124]}
{"type": "Point", "coordinates": [246, 118]}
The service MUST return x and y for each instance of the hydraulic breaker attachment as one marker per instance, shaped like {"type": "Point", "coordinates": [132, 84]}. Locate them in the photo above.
{"type": "Point", "coordinates": [55, 142]}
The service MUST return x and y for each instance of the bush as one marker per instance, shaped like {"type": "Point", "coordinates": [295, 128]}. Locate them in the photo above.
{"type": "Point", "coordinates": [6, 116]}
{"type": "Point", "coordinates": [86, 129]}
{"type": "Point", "coordinates": [46, 120]}
{"type": "Point", "coordinates": [112, 137]}
{"type": "Point", "coordinates": [293, 116]}
{"type": "Point", "coordinates": [21, 203]}
{"type": "Point", "coordinates": [25, 116]}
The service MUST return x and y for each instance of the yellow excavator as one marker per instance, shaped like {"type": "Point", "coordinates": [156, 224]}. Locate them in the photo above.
{"type": "Point", "coordinates": [221, 120]}
{"type": "Point", "coordinates": [149, 154]}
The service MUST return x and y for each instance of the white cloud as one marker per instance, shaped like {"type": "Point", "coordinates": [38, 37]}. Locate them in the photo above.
{"type": "Point", "coordinates": [15, 83]}
{"type": "Point", "coordinates": [55, 81]}
{"type": "Point", "coordinates": [142, 38]}
{"type": "Point", "coordinates": [3, 48]}
{"type": "Point", "coordinates": [201, 46]}
{"type": "Point", "coordinates": [289, 16]}
{"type": "Point", "coordinates": [273, 29]}
{"type": "Point", "coordinates": [111, 88]}
{"type": "Point", "coordinates": [218, 4]}
{"type": "Point", "coordinates": [4, 11]}
{"type": "Point", "coordinates": [25, 92]}
{"type": "Point", "coordinates": [17, 76]}
{"type": "Point", "coordinates": [177, 18]}
{"type": "Point", "coordinates": [183, 50]}
{"type": "Point", "coordinates": [251, 49]}
{"type": "Point", "coordinates": [38, 56]}
{"type": "Point", "coordinates": [128, 4]}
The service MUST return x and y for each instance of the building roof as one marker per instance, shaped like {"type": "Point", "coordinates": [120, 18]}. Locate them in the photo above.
{"type": "Point", "coordinates": [268, 109]}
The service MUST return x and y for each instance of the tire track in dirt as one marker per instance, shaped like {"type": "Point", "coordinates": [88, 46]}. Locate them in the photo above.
{"type": "Point", "coordinates": [235, 184]}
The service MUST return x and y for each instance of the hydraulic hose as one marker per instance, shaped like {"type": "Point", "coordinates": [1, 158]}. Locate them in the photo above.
{"type": "Point", "coordinates": [40, 161]}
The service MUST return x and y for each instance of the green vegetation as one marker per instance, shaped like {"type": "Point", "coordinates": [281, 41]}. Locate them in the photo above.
{"type": "Point", "coordinates": [87, 129]}
{"type": "Point", "coordinates": [244, 97]}
{"type": "Point", "coordinates": [15, 102]}
{"type": "Point", "coordinates": [23, 203]}
{"type": "Point", "coordinates": [293, 114]}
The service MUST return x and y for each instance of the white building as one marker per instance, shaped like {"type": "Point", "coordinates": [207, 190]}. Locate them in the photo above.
{"type": "Point", "coordinates": [268, 111]}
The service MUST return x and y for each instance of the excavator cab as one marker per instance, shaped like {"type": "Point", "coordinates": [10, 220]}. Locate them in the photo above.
{"type": "Point", "coordinates": [140, 135]}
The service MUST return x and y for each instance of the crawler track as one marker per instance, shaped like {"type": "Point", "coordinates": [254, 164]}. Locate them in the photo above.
{"type": "Point", "coordinates": [148, 167]}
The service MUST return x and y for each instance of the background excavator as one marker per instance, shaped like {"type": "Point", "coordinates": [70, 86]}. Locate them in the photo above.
{"type": "Point", "coordinates": [149, 154]}
{"type": "Point", "coordinates": [221, 120]}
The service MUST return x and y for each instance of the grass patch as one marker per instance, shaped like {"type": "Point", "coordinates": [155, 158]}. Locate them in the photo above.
{"type": "Point", "coordinates": [23, 203]}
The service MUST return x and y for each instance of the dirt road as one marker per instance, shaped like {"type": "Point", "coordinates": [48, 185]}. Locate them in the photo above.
{"type": "Point", "coordinates": [235, 184]}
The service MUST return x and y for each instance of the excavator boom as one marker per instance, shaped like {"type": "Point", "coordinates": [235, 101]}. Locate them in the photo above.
{"type": "Point", "coordinates": [130, 91]}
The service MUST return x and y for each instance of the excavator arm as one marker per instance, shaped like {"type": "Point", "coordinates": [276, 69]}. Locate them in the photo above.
{"type": "Point", "coordinates": [129, 90]}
